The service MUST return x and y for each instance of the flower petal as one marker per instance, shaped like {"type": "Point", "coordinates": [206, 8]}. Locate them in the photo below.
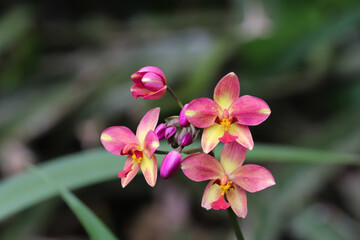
{"type": "Point", "coordinates": [147, 123]}
{"type": "Point", "coordinates": [115, 138]}
{"type": "Point", "coordinates": [232, 156]}
{"type": "Point", "coordinates": [151, 143]}
{"type": "Point", "coordinates": [238, 200]}
{"type": "Point", "coordinates": [156, 95]}
{"type": "Point", "coordinates": [149, 169]}
{"type": "Point", "coordinates": [153, 70]}
{"type": "Point", "coordinates": [249, 110]}
{"type": "Point", "coordinates": [202, 112]}
{"type": "Point", "coordinates": [210, 137]}
{"type": "Point", "coordinates": [253, 177]}
{"type": "Point", "coordinates": [220, 204]}
{"type": "Point", "coordinates": [131, 174]}
{"type": "Point", "coordinates": [227, 138]}
{"type": "Point", "coordinates": [200, 167]}
{"type": "Point", "coordinates": [243, 133]}
{"type": "Point", "coordinates": [227, 90]}
{"type": "Point", "coordinates": [211, 194]}
{"type": "Point", "coordinates": [139, 91]}
{"type": "Point", "coordinates": [152, 81]}
{"type": "Point", "coordinates": [136, 78]}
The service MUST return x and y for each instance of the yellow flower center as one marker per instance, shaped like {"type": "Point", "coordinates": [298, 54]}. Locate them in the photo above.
{"type": "Point", "coordinates": [225, 122]}
{"type": "Point", "coordinates": [225, 188]}
{"type": "Point", "coordinates": [137, 158]}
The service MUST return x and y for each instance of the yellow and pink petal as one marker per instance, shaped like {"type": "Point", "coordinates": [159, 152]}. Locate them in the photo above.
{"type": "Point", "coordinates": [211, 194]}
{"type": "Point", "coordinates": [227, 90]}
{"type": "Point", "coordinates": [202, 112]}
{"type": "Point", "coordinates": [238, 200]}
{"type": "Point", "coordinates": [114, 139]}
{"type": "Point", "coordinates": [210, 137]}
{"type": "Point", "coordinates": [156, 95]}
{"type": "Point", "coordinates": [149, 169]}
{"type": "Point", "coordinates": [200, 167]}
{"type": "Point", "coordinates": [232, 156]}
{"type": "Point", "coordinates": [220, 204]}
{"type": "Point", "coordinates": [152, 69]}
{"type": "Point", "coordinates": [252, 177]}
{"type": "Point", "coordinates": [249, 110]}
{"type": "Point", "coordinates": [135, 167]}
{"type": "Point", "coordinates": [243, 133]}
{"type": "Point", "coordinates": [151, 143]}
{"type": "Point", "coordinates": [147, 123]}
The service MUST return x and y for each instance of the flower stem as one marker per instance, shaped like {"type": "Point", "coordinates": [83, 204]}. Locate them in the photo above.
{"type": "Point", "coordinates": [175, 97]}
{"type": "Point", "coordinates": [192, 150]}
{"type": "Point", "coordinates": [161, 152]}
{"type": "Point", "coordinates": [235, 224]}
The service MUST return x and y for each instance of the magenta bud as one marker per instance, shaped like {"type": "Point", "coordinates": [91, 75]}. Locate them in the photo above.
{"type": "Point", "coordinates": [169, 132]}
{"type": "Point", "coordinates": [186, 140]}
{"type": "Point", "coordinates": [160, 131]}
{"type": "Point", "coordinates": [182, 118]}
{"type": "Point", "coordinates": [170, 164]}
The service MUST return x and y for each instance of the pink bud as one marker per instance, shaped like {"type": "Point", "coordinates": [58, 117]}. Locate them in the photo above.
{"type": "Point", "coordinates": [150, 83]}
{"type": "Point", "coordinates": [170, 164]}
{"type": "Point", "coordinates": [186, 140]}
{"type": "Point", "coordinates": [169, 132]}
{"type": "Point", "coordinates": [182, 118]}
{"type": "Point", "coordinates": [160, 131]}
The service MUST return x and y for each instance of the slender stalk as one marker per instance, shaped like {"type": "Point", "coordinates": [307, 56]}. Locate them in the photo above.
{"type": "Point", "coordinates": [235, 224]}
{"type": "Point", "coordinates": [192, 150]}
{"type": "Point", "coordinates": [161, 152]}
{"type": "Point", "coordinates": [175, 97]}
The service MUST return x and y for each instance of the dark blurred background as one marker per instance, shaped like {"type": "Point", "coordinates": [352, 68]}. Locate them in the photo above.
{"type": "Point", "coordinates": [65, 71]}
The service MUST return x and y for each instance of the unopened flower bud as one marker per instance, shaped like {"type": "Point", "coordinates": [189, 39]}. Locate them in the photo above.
{"type": "Point", "coordinates": [169, 132]}
{"type": "Point", "coordinates": [182, 118]}
{"type": "Point", "coordinates": [160, 131]}
{"type": "Point", "coordinates": [186, 140]}
{"type": "Point", "coordinates": [170, 164]}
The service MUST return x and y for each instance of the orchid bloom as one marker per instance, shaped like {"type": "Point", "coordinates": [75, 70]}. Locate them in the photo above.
{"type": "Point", "coordinates": [139, 148]}
{"type": "Point", "coordinates": [229, 178]}
{"type": "Point", "coordinates": [150, 83]}
{"type": "Point", "coordinates": [227, 117]}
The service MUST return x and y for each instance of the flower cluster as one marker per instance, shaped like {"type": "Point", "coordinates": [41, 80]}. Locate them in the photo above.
{"type": "Point", "coordinates": [224, 119]}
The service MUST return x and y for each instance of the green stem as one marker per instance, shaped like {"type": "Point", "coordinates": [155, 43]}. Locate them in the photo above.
{"type": "Point", "coordinates": [175, 97]}
{"type": "Point", "coordinates": [192, 150]}
{"type": "Point", "coordinates": [235, 224]}
{"type": "Point", "coordinates": [161, 152]}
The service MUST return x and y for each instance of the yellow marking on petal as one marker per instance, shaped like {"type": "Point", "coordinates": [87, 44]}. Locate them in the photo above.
{"type": "Point", "coordinates": [106, 137]}
{"type": "Point", "coordinates": [138, 160]}
{"type": "Point", "coordinates": [155, 144]}
{"type": "Point", "coordinates": [264, 111]}
{"type": "Point", "coordinates": [226, 188]}
{"type": "Point", "coordinates": [190, 113]}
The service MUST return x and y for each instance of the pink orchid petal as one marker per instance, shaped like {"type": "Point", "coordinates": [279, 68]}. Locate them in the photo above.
{"type": "Point", "coordinates": [130, 148]}
{"type": "Point", "coordinates": [153, 70]}
{"type": "Point", "coordinates": [238, 200]}
{"type": "Point", "coordinates": [227, 90]}
{"type": "Point", "coordinates": [220, 204]}
{"type": "Point", "coordinates": [139, 91]}
{"type": "Point", "coordinates": [210, 137]}
{"type": "Point", "coordinates": [202, 112]}
{"type": "Point", "coordinates": [227, 138]}
{"type": "Point", "coordinates": [249, 110]}
{"type": "Point", "coordinates": [232, 156]}
{"type": "Point", "coordinates": [253, 177]}
{"type": "Point", "coordinates": [151, 143]}
{"type": "Point", "coordinates": [115, 138]}
{"type": "Point", "coordinates": [131, 174]}
{"type": "Point", "coordinates": [136, 78]}
{"type": "Point", "coordinates": [156, 95]}
{"type": "Point", "coordinates": [211, 194]}
{"type": "Point", "coordinates": [125, 172]}
{"type": "Point", "coordinates": [147, 123]}
{"type": "Point", "coordinates": [200, 167]}
{"type": "Point", "coordinates": [149, 169]}
{"type": "Point", "coordinates": [152, 81]}
{"type": "Point", "coordinates": [243, 133]}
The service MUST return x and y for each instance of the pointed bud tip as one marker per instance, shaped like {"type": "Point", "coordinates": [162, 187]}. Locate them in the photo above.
{"type": "Point", "coordinates": [170, 164]}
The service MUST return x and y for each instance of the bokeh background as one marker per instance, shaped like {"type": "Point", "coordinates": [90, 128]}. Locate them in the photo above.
{"type": "Point", "coordinates": [65, 71]}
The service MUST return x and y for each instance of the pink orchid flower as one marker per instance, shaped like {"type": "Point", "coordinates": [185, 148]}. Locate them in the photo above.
{"type": "Point", "coordinates": [139, 148]}
{"type": "Point", "coordinates": [150, 83]}
{"type": "Point", "coordinates": [229, 178]}
{"type": "Point", "coordinates": [227, 117]}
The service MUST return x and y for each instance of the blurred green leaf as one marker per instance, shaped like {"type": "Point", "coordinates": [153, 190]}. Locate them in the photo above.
{"type": "Point", "coordinates": [83, 169]}
{"type": "Point", "coordinates": [93, 225]}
